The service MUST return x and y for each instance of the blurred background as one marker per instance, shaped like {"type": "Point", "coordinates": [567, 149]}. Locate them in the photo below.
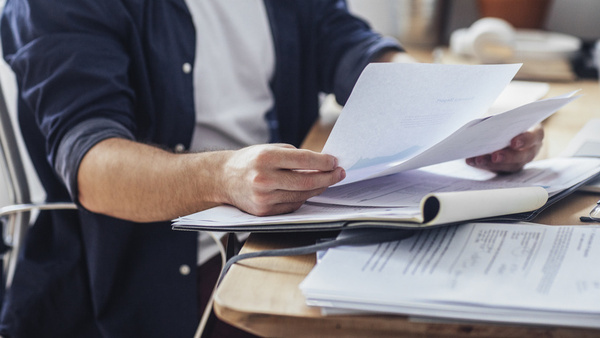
{"type": "Point", "coordinates": [554, 39]}
{"type": "Point", "coordinates": [408, 18]}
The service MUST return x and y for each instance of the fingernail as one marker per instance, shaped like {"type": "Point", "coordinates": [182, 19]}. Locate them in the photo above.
{"type": "Point", "coordinates": [335, 162]}
{"type": "Point", "coordinates": [342, 174]}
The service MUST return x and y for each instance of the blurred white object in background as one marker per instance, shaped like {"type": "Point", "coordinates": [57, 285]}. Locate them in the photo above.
{"type": "Point", "coordinates": [494, 40]}
{"type": "Point", "coordinates": [490, 40]}
{"type": "Point", "coordinates": [538, 45]}
{"type": "Point", "coordinates": [586, 143]}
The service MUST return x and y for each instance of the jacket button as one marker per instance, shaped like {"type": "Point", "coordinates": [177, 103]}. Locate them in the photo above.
{"type": "Point", "coordinates": [187, 68]}
{"type": "Point", "coordinates": [179, 148]}
{"type": "Point", "coordinates": [184, 269]}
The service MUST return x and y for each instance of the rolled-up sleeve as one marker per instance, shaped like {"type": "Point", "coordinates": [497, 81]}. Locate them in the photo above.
{"type": "Point", "coordinates": [72, 68]}
{"type": "Point", "coordinates": [76, 143]}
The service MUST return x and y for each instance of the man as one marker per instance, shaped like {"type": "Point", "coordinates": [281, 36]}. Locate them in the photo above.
{"type": "Point", "coordinates": [121, 105]}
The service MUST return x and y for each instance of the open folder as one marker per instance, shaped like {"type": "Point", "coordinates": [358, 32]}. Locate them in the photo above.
{"type": "Point", "coordinates": [400, 121]}
{"type": "Point", "coordinates": [443, 194]}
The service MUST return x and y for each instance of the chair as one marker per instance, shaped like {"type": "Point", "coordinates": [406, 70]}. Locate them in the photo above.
{"type": "Point", "coordinates": [15, 202]}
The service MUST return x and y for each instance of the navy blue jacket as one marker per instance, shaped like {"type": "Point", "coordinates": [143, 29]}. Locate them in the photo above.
{"type": "Point", "coordinates": [117, 65]}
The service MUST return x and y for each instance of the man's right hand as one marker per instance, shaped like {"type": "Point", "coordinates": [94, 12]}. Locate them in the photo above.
{"type": "Point", "coordinates": [276, 178]}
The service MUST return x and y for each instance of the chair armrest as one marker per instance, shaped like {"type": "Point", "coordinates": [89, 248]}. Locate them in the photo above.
{"type": "Point", "coordinates": [18, 208]}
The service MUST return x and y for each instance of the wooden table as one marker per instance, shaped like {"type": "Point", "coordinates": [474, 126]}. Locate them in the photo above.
{"type": "Point", "coordinates": [262, 296]}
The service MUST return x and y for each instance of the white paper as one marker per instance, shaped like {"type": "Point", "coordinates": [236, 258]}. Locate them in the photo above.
{"type": "Point", "coordinates": [406, 116]}
{"type": "Point", "coordinates": [397, 110]}
{"type": "Point", "coordinates": [501, 272]}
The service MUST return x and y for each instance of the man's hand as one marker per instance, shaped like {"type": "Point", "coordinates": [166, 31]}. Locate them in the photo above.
{"type": "Point", "coordinates": [276, 178]}
{"type": "Point", "coordinates": [523, 149]}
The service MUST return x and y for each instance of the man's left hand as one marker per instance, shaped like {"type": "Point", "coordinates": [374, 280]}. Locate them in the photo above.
{"type": "Point", "coordinates": [522, 149]}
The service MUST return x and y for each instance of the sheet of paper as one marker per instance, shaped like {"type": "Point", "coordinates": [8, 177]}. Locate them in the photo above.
{"type": "Point", "coordinates": [502, 272]}
{"type": "Point", "coordinates": [397, 110]}
{"type": "Point", "coordinates": [482, 136]}
{"type": "Point", "coordinates": [392, 123]}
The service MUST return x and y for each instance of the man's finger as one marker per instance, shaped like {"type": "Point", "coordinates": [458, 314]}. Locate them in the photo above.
{"type": "Point", "coordinates": [298, 159]}
{"type": "Point", "coordinates": [509, 156]}
{"type": "Point", "coordinates": [293, 180]}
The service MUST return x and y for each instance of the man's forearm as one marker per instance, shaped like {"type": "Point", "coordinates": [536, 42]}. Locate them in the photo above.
{"type": "Point", "coordinates": [138, 182]}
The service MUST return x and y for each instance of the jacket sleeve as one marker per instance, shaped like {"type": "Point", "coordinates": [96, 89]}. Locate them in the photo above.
{"type": "Point", "coordinates": [345, 45]}
{"type": "Point", "coordinates": [71, 67]}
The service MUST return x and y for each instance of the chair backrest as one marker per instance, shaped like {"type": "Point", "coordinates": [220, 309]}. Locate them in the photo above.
{"type": "Point", "coordinates": [15, 191]}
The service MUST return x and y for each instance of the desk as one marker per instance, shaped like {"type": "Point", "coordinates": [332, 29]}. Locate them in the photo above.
{"type": "Point", "coordinates": [262, 296]}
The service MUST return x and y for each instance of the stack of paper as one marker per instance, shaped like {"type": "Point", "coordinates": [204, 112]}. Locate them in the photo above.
{"type": "Point", "coordinates": [513, 273]}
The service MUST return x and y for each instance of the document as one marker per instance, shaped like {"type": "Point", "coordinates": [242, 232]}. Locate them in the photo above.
{"type": "Point", "coordinates": [407, 116]}
{"type": "Point", "coordinates": [442, 194]}
{"type": "Point", "coordinates": [511, 273]}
